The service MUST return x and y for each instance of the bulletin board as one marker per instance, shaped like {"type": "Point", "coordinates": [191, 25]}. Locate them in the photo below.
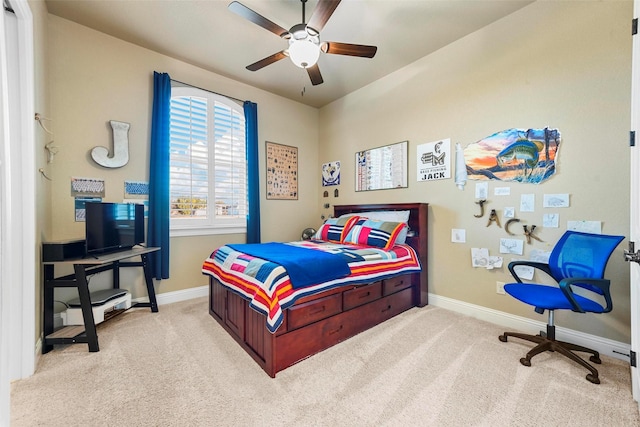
{"type": "Point", "coordinates": [282, 171]}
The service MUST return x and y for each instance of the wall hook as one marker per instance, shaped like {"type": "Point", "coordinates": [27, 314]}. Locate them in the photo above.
{"type": "Point", "coordinates": [39, 119]}
{"type": "Point", "coordinates": [41, 170]}
{"type": "Point", "coordinates": [52, 150]}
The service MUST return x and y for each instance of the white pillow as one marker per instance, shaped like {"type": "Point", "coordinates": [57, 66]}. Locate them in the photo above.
{"type": "Point", "coordinates": [389, 216]}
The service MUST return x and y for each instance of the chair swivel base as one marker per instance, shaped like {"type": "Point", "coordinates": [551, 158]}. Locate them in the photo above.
{"type": "Point", "coordinates": [564, 348]}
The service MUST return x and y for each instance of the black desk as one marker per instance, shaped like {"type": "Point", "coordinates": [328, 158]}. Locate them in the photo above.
{"type": "Point", "coordinates": [83, 268]}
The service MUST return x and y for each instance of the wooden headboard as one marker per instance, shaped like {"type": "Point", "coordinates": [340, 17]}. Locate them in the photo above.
{"type": "Point", "coordinates": [416, 238]}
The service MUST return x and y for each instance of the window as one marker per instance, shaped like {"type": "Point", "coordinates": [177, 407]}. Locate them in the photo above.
{"type": "Point", "coordinates": [208, 164]}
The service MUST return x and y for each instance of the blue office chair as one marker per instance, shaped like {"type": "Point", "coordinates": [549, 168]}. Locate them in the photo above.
{"type": "Point", "coordinates": [577, 261]}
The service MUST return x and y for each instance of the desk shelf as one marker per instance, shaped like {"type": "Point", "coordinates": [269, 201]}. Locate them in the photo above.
{"type": "Point", "coordinates": [67, 332]}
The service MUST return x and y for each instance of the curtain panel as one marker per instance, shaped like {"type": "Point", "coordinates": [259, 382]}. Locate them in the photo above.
{"type": "Point", "coordinates": [158, 222]}
{"type": "Point", "coordinates": [253, 172]}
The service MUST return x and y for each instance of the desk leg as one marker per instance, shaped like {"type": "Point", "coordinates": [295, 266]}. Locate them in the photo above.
{"type": "Point", "coordinates": [149, 281]}
{"type": "Point", "coordinates": [116, 275]}
{"type": "Point", "coordinates": [47, 321]}
{"type": "Point", "coordinates": [85, 304]}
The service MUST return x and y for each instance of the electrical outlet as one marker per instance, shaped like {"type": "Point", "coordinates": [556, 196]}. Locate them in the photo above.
{"type": "Point", "coordinates": [500, 288]}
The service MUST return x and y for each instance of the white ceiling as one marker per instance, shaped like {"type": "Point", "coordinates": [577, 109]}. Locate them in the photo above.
{"type": "Point", "coordinates": [206, 34]}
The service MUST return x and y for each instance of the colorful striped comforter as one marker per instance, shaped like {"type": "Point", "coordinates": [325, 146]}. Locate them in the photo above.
{"type": "Point", "coordinates": [268, 287]}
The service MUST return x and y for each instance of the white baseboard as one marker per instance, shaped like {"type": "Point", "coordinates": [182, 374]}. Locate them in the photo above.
{"type": "Point", "coordinates": [176, 296]}
{"type": "Point", "coordinates": [616, 349]}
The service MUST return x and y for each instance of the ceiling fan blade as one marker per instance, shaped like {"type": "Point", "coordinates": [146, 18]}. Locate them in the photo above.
{"type": "Point", "coordinates": [314, 75]}
{"type": "Point", "coordinates": [266, 61]}
{"type": "Point", "coordinates": [256, 18]}
{"type": "Point", "coordinates": [338, 48]}
{"type": "Point", "coordinates": [322, 13]}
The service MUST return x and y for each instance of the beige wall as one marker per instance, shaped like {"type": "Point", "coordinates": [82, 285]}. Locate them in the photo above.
{"type": "Point", "coordinates": [95, 78]}
{"type": "Point", "coordinates": [42, 106]}
{"type": "Point", "coordinates": [565, 65]}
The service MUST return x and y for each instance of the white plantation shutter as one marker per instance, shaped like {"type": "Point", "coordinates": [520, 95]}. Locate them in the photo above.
{"type": "Point", "coordinates": [208, 172]}
{"type": "Point", "coordinates": [189, 159]}
{"type": "Point", "coordinates": [231, 162]}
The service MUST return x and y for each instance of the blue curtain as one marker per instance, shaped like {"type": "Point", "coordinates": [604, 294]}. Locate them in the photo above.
{"type": "Point", "coordinates": [253, 174]}
{"type": "Point", "coordinates": [158, 223]}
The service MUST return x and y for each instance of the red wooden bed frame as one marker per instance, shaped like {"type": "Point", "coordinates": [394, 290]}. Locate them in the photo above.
{"type": "Point", "coordinates": [317, 322]}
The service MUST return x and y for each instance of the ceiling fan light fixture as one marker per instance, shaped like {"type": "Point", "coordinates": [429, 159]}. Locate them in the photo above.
{"type": "Point", "coordinates": [304, 53]}
{"type": "Point", "coordinates": [299, 31]}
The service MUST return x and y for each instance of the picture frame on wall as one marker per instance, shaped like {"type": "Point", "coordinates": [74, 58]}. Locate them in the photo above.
{"type": "Point", "coordinates": [382, 168]}
{"type": "Point", "coordinates": [282, 171]}
{"type": "Point", "coordinates": [331, 173]}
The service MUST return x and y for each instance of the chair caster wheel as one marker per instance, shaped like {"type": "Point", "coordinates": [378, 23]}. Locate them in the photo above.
{"type": "Point", "coordinates": [525, 361]}
{"type": "Point", "coordinates": [502, 338]}
{"type": "Point", "coordinates": [593, 379]}
{"type": "Point", "coordinates": [595, 359]}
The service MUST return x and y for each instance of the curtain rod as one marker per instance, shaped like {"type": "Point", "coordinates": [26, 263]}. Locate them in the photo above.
{"type": "Point", "coordinates": [207, 90]}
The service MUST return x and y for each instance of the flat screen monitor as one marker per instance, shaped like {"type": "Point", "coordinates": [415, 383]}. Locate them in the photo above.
{"type": "Point", "coordinates": [112, 227]}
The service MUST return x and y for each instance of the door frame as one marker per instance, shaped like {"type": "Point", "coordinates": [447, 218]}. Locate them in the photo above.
{"type": "Point", "coordinates": [18, 248]}
{"type": "Point", "coordinates": [634, 200]}
{"type": "Point", "coordinates": [23, 219]}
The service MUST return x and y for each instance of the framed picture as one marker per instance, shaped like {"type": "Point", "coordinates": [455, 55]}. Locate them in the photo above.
{"type": "Point", "coordinates": [331, 173]}
{"type": "Point", "coordinates": [382, 168]}
{"type": "Point", "coordinates": [282, 171]}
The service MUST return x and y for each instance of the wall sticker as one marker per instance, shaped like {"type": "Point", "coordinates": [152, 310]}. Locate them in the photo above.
{"type": "Point", "coordinates": [514, 155]}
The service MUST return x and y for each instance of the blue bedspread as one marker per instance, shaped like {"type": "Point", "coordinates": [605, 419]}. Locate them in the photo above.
{"type": "Point", "coordinates": [304, 266]}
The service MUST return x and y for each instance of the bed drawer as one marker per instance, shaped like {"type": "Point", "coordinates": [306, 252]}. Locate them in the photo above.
{"type": "Point", "coordinates": [304, 342]}
{"type": "Point", "coordinates": [395, 284]}
{"type": "Point", "coordinates": [312, 311]}
{"type": "Point", "coordinates": [361, 295]}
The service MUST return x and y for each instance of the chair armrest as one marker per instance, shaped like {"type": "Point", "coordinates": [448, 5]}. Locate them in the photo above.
{"type": "Point", "coordinates": [602, 284]}
{"type": "Point", "coordinates": [539, 265]}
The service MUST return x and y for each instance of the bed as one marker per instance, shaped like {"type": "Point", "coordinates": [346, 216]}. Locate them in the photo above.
{"type": "Point", "coordinates": [281, 313]}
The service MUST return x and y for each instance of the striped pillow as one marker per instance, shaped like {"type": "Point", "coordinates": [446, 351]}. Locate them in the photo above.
{"type": "Point", "coordinates": [381, 234]}
{"type": "Point", "coordinates": [335, 229]}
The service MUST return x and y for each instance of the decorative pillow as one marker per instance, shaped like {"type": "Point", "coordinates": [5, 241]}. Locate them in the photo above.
{"type": "Point", "coordinates": [388, 216]}
{"type": "Point", "coordinates": [335, 229]}
{"type": "Point", "coordinates": [382, 234]}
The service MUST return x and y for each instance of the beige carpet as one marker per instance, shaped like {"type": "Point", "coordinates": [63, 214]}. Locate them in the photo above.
{"type": "Point", "coordinates": [428, 367]}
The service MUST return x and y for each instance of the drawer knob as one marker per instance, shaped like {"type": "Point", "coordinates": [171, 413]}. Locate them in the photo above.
{"type": "Point", "coordinates": [365, 295]}
{"type": "Point", "coordinates": [319, 310]}
{"type": "Point", "coordinates": [387, 309]}
{"type": "Point", "coordinates": [335, 331]}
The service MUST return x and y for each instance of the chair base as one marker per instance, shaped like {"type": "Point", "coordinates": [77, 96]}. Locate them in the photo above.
{"type": "Point", "coordinates": [549, 343]}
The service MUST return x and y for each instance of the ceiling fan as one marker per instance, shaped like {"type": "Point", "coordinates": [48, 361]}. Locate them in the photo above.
{"type": "Point", "coordinates": [304, 39]}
